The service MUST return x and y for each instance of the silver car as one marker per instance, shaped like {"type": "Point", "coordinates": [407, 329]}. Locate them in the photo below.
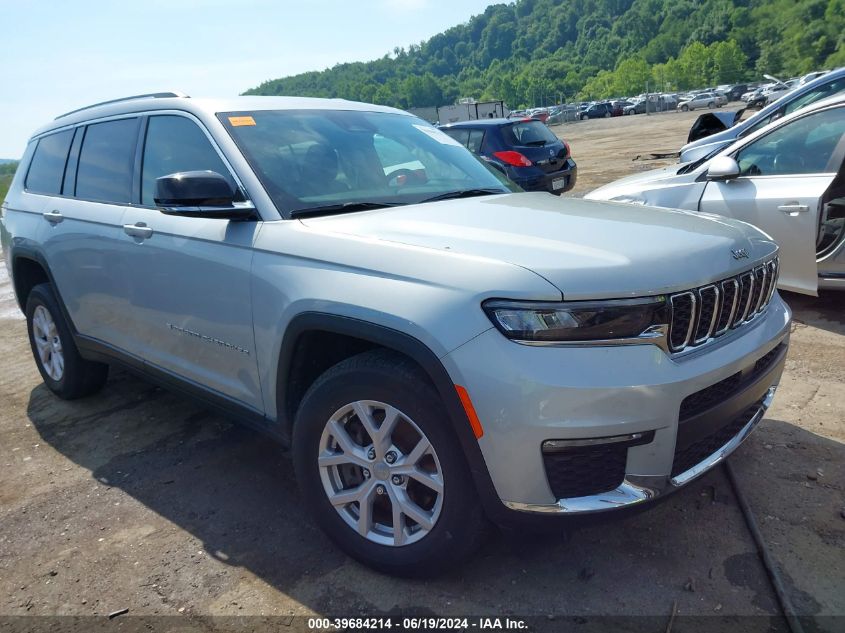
{"type": "Point", "coordinates": [703, 100]}
{"type": "Point", "coordinates": [435, 348]}
{"type": "Point", "coordinates": [787, 179]}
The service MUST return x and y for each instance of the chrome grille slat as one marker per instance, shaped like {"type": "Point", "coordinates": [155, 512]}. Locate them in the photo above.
{"type": "Point", "coordinates": [746, 282]}
{"type": "Point", "coordinates": [730, 292]}
{"type": "Point", "coordinates": [759, 290]}
{"type": "Point", "coordinates": [678, 313]}
{"type": "Point", "coordinates": [708, 312]}
{"type": "Point", "coordinates": [773, 276]}
{"type": "Point", "coordinates": [708, 309]}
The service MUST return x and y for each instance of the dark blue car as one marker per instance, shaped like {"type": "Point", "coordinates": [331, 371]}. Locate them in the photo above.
{"type": "Point", "coordinates": [524, 149]}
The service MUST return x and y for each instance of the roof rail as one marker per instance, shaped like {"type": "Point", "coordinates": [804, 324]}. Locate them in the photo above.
{"type": "Point", "coordinates": [151, 95]}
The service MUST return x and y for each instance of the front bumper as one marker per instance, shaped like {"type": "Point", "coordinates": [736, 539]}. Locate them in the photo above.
{"type": "Point", "coordinates": [526, 395]}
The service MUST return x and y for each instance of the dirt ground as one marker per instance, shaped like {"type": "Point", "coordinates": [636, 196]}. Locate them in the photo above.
{"type": "Point", "coordinates": [139, 499]}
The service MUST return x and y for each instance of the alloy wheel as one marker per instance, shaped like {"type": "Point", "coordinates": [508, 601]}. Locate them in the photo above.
{"type": "Point", "coordinates": [381, 473]}
{"type": "Point", "coordinates": [48, 343]}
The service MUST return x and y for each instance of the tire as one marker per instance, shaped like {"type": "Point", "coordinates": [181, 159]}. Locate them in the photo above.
{"type": "Point", "coordinates": [711, 105]}
{"type": "Point", "coordinates": [684, 108]}
{"type": "Point", "coordinates": [454, 521]}
{"type": "Point", "coordinates": [64, 371]}
{"type": "Point", "coordinates": [607, 115]}
{"type": "Point", "coordinates": [584, 117]}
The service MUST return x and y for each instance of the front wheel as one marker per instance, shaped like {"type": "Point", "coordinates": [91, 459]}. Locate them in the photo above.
{"type": "Point", "coordinates": [583, 117]}
{"type": "Point", "coordinates": [711, 105]}
{"type": "Point", "coordinates": [381, 472]}
{"type": "Point", "coordinates": [684, 108]}
{"type": "Point", "coordinates": [64, 371]}
{"type": "Point", "coordinates": [607, 115]}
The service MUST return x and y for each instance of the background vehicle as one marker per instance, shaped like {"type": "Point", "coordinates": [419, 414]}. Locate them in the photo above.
{"type": "Point", "coordinates": [526, 151]}
{"type": "Point", "coordinates": [471, 110]}
{"type": "Point", "coordinates": [830, 84]}
{"type": "Point", "coordinates": [702, 100]}
{"type": "Point", "coordinates": [597, 111]}
{"type": "Point", "coordinates": [735, 93]}
{"type": "Point", "coordinates": [810, 76]}
{"type": "Point", "coordinates": [618, 107]}
{"type": "Point", "coordinates": [637, 107]}
{"type": "Point", "coordinates": [787, 178]}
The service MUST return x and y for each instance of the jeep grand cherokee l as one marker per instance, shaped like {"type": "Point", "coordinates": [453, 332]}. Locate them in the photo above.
{"type": "Point", "coordinates": [437, 350]}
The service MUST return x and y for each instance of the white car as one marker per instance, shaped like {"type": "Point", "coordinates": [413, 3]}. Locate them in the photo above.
{"type": "Point", "coordinates": [703, 100]}
{"type": "Point", "coordinates": [786, 178]}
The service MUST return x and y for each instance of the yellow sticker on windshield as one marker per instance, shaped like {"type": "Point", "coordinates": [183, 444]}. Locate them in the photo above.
{"type": "Point", "coordinates": [237, 121]}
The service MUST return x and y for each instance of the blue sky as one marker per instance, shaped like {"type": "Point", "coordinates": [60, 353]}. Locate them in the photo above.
{"type": "Point", "coordinates": [58, 56]}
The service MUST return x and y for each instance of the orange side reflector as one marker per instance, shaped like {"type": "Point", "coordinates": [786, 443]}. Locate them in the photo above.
{"type": "Point", "coordinates": [474, 422]}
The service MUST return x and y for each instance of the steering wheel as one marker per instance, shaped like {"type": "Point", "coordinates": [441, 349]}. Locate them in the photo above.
{"type": "Point", "coordinates": [403, 176]}
{"type": "Point", "coordinates": [788, 163]}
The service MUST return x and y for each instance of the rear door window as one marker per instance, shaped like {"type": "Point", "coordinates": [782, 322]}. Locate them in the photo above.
{"type": "Point", "coordinates": [48, 163]}
{"type": "Point", "coordinates": [175, 144]}
{"type": "Point", "coordinates": [106, 161]}
{"type": "Point", "coordinates": [460, 135]}
{"type": "Point", "coordinates": [476, 137]}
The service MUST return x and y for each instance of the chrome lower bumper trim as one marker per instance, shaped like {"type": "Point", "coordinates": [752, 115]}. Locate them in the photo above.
{"type": "Point", "coordinates": [636, 489]}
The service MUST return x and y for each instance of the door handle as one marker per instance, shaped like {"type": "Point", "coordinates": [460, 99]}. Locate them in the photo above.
{"type": "Point", "coordinates": [793, 208]}
{"type": "Point", "coordinates": [139, 230]}
{"type": "Point", "coordinates": [53, 217]}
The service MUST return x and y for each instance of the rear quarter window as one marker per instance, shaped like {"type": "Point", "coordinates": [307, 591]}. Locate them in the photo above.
{"type": "Point", "coordinates": [48, 163]}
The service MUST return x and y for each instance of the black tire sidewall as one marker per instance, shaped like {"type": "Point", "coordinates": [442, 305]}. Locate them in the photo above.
{"type": "Point", "coordinates": [80, 377]}
{"type": "Point", "coordinates": [42, 295]}
{"type": "Point", "coordinates": [460, 512]}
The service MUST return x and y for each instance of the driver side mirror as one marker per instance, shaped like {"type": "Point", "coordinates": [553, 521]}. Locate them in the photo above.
{"type": "Point", "coordinates": [199, 194]}
{"type": "Point", "coordinates": [723, 168]}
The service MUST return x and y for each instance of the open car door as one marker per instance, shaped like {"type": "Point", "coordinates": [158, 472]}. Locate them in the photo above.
{"type": "Point", "coordinates": [784, 176]}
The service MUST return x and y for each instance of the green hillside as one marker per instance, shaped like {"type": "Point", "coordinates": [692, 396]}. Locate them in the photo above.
{"type": "Point", "coordinates": [7, 172]}
{"type": "Point", "coordinates": [535, 51]}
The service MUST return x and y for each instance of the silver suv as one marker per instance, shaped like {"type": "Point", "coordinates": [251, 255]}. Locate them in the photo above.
{"type": "Point", "coordinates": [438, 349]}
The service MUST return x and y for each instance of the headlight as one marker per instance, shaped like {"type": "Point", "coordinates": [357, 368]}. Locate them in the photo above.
{"type": "Point", "coordinates": [578, 320]}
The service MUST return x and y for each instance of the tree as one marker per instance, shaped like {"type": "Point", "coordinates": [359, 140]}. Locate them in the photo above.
{"type": "Point", "coordinates": [729, 62]}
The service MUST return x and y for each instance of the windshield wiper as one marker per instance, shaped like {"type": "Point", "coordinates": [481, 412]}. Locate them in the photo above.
{"type": "Point", "coordinates": [539, 143]}
{"type": "Point", "coordinates": [462, 193]}
{"type": "Point", "coordinates": [343, 207]}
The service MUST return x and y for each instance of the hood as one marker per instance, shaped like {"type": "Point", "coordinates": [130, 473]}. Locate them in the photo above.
{"type": "Point", "coordinates": [712, 122]}
{"type": "Point", "coordinates": [644, 177]}
{"type": "Point", "coordinates": [587, 249]}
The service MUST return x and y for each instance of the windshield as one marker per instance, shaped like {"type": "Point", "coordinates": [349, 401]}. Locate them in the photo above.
{"type": "Point", "coordinates": [308, 160]}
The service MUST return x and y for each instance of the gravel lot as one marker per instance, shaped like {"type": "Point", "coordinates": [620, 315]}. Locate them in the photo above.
{"type": "Point", "coordinates": [139, 499]}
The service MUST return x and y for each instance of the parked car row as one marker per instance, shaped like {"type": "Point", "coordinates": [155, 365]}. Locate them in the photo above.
{"type": "Point", "coordinates": [711, 133]}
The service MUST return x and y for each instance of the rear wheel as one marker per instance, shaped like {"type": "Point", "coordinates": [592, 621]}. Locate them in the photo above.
{"type": "Point", "coordinates": [381, 472]}
{"type": "Point", "coordinates": [607, 115]}
{"type": "Point", "coordinates": [64, 371]}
